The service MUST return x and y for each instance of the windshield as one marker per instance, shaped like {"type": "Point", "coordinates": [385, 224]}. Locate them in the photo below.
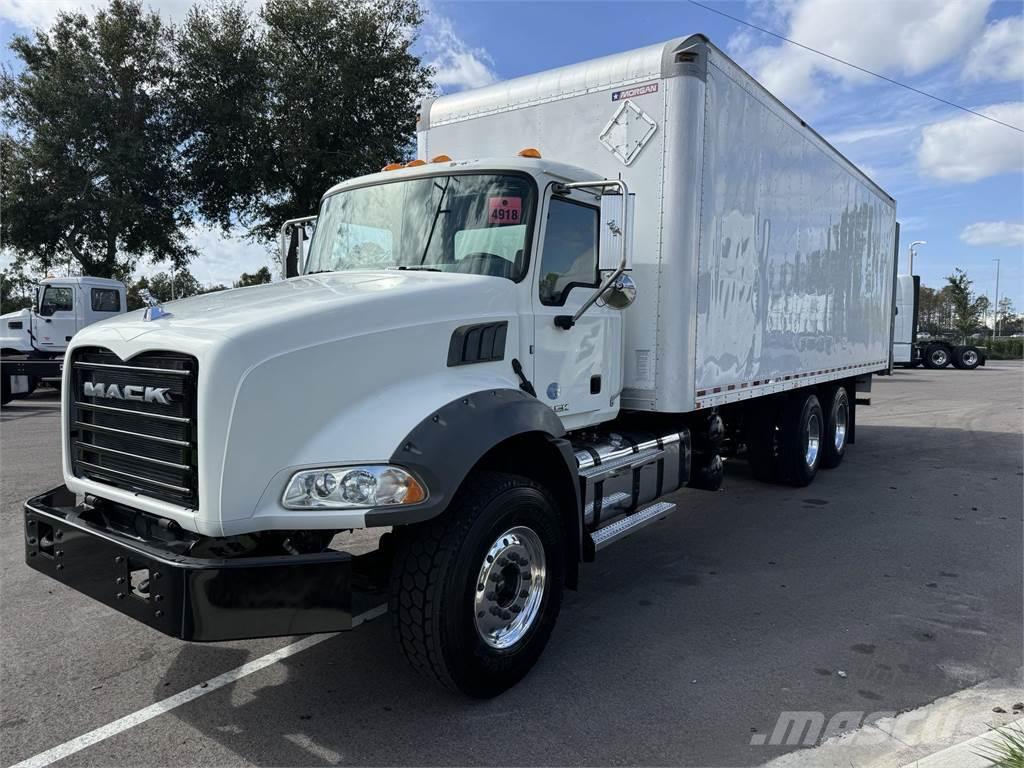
{"type": "Point", "coordinates": [475, 224]}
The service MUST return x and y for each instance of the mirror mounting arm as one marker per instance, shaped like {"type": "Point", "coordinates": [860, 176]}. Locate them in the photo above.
{"type": "Point", "coordinates": [565, 322]}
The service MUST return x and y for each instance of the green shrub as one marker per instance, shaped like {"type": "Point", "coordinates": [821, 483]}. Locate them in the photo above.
{"type": "Point", "coordinates": [1004, 349]}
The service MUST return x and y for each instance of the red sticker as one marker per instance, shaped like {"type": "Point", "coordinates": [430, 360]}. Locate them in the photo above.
{"type": "Point", "coordinates": [504, 210]}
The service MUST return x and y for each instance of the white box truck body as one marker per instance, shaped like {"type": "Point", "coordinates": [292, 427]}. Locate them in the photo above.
{"type": "Point", "coordinates": [764, 259]}
{"type": "Point", "coordinates": [633, 269]}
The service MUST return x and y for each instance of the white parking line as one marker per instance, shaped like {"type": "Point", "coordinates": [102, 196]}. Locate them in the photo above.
{"type": "Point", "coordinates": [153, 710]}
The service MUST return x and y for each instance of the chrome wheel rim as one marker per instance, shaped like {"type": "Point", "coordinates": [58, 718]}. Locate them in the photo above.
{"type": "Point", "coordinates": [509, 588]}
{"type": "Point", "coordinates": [813, 439]}
{"type": "Point", "coordinates": [840, 436]}
{"type": "Point", "coordinates": [939, 357]}
{"type": "Point", "coordinates": [969, 357]}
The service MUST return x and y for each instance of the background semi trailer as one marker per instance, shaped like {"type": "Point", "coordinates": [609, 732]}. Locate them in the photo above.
{"type": "Point", "coordinates": [506, 358]}
{"type": "Point", "coordinates": [933, 353]}
{"type": "Point", "coordinates": [33, 341]}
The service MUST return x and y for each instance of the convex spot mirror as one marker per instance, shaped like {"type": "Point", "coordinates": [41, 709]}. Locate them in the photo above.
{"type": "Point", "coordinates": [621, 293]}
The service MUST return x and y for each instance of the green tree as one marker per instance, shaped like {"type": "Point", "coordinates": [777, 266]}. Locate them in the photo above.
{"type": "Point", "coordinates": [273, 113]}
{"type": "Point", "coordinates": [160, 286]}
{"type": "Point", "coordinates": [260, 276]}
{"type": "Point", "coordinates": [968, 308]}
{"type": "Point", "coordinates": [89, 168]}
{"type": "Point", "coordinates": [17, 288]}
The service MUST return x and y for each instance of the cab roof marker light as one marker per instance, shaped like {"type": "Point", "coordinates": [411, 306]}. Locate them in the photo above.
{"type": "Point", "coordinates": [441, 159]}
{"type": "Point", "coordinates": [415, 163]}
{"type": "Point", "coordinates": [391, 167]}
{"type": "Point", "coordinates": [530, 152]}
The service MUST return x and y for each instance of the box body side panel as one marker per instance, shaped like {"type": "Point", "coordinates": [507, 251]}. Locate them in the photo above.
{"type": "Point", "coordinates": [796, 255]}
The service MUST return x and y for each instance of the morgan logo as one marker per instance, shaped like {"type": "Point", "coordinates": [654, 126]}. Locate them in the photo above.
{"type": "Point", "coordinates": [136, 392]}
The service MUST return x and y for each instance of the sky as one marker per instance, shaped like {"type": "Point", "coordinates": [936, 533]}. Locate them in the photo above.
{"type": "Point", "coordinates": [958, 179]}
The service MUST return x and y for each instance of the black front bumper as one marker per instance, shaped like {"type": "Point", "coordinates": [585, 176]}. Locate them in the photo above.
{"type": "Point", "coordinates": [155, 581]}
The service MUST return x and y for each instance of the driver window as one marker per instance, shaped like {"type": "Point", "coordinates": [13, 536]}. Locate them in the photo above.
{"type": "Point", "coordinates": [55, 300]}
{"type": "Point", "coordinates": [569, 258]}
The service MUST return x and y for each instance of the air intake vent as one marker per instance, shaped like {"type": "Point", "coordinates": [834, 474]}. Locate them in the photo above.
{"type": "Point", "coordinates": [483, 343]}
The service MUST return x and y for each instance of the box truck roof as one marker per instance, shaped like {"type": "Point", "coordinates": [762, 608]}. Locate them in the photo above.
{"type": "Point", "coordinates": [629, 73]}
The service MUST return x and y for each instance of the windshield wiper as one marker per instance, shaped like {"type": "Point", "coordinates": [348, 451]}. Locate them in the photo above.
{"type": "Point", "coordinates": [417, 268]}
{"type": "Point", "coordinates": [437, 215]}
{"type": "Point", "coordinates": [319, 272]}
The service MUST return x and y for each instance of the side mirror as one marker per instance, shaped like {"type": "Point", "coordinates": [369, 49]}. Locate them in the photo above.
{"type": "Point", "coordinates": [293, 237]}
{"type": "Point", "coordinates": [621, 293]}
{"type": "Point", "coordinates": [614, 229]}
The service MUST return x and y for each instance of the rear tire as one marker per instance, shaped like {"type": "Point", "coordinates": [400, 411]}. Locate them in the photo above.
{"type": "Point", "coordinates": [936, 356]}
{"type": "Point", "coordinates": [475, 593]}
{"type": "Point", "coordinates": [966, 358]}
{"type": "Point", "coordinates": [837, 428]}
{"type": "Point", "coordinates": [800, 431]}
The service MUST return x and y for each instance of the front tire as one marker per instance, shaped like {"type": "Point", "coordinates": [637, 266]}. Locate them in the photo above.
{"type": "Point", "coordinates": [475, 593]}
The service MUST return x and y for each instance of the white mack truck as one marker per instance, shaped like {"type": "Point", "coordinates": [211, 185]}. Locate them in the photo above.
{"type": "Point", "coordinates": [33, 341]}
{"type": "Point", "coordinates": [493, 363]}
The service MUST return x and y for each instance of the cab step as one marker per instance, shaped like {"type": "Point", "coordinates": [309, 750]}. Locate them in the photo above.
{"type": "Point", "coordinates": [602, 537]}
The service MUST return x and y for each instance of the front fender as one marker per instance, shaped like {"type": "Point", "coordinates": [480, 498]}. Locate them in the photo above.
{"type": "Point", "coordinates": [448, 443]}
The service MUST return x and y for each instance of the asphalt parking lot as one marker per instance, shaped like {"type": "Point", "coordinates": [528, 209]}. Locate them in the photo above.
{"type": "Point", "coordinates": [902, 568]}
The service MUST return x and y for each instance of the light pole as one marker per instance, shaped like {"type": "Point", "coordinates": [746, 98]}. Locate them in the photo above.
{"type": "Point", "coordinates": [995, 322]}
{"type": "Point", "coordinates": [911, 249]}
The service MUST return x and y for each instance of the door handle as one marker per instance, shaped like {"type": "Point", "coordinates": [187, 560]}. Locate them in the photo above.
{"type": "Point", "coordinates": [49, 320]}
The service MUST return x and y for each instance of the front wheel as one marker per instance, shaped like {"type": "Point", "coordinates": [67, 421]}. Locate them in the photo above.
{"type": "Point", "coordinates": [475, 593]}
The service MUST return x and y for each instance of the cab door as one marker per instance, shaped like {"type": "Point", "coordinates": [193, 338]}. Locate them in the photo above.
{"type": "Point", "coordinates": [578, 371]}
{"type": "Point", "coordinates": [57, 318]}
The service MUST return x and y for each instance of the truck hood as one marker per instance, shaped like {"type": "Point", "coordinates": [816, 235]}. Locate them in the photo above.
{"type": "Point", "coordinates": [359, 300]}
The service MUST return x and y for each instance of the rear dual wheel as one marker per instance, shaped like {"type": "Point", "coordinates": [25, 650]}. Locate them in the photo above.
{"type": "Point", "coordinates": [790, 440]}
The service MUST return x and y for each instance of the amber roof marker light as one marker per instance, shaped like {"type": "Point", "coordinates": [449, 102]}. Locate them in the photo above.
{"type": "Point", "coordinates": [441, 159]}
{"type": "Point", "coordinates": [530, 152]}
{"type": "Point", "coordinates": [415, 163]}
{"type": "Point", "coordinates": [391, 167]}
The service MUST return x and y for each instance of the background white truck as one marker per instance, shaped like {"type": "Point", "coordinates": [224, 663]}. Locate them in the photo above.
{"type": "Point", "coordinates": [495, 368]}
{"type": "Point", "coordinates": [33, 341]}
{"type": "Point", "coordinates": [933, 352]}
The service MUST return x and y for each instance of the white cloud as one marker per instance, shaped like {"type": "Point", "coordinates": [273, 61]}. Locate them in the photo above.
{"type": "Point", "coordinates": [902, 38]}
{"type": "Point", "coordinates": [222, 258]}
{"type": "Point", "coordinates": [999, 55]}
{"type": "Point", "coordinates": [458, 65]}
{"type": "Point", "coordinates": [1005, 233]}
{"type": "Point", "coordinates": [969, 148]}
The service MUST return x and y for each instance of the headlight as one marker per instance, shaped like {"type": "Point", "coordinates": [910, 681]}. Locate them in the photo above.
{"type": "Point", "coordinates": [352, 487]}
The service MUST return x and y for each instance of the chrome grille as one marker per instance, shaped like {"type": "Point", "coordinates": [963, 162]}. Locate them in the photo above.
{"type": "Point", "coordinates": [148, 447]}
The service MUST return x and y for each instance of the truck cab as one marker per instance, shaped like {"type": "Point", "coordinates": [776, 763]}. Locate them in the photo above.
{"type": "Point", "coordinates": [536, 226]}
{"type": "Point", "coordinates": [62, 307]}
{"type": "Point", "coordinates": [33, 340]}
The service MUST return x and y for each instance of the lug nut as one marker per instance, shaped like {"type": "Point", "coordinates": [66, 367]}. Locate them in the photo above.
{"type": "Point", "coordinates": [32, 540]}
{"type": "Point", "coordinates": [119, 580]}
{"type": "Point", "coordinates": [58, 535]}
{"type": "Point", "coordinates": [119, 559]}
{"type": "Point", "coordinates": [159, 614]}
{"type": "Point", "coordinates": [60, 567]}
{"type": "Point", "coordinates": [158, 598]}
{"type": "Point", "coordinates": [120, 595]}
